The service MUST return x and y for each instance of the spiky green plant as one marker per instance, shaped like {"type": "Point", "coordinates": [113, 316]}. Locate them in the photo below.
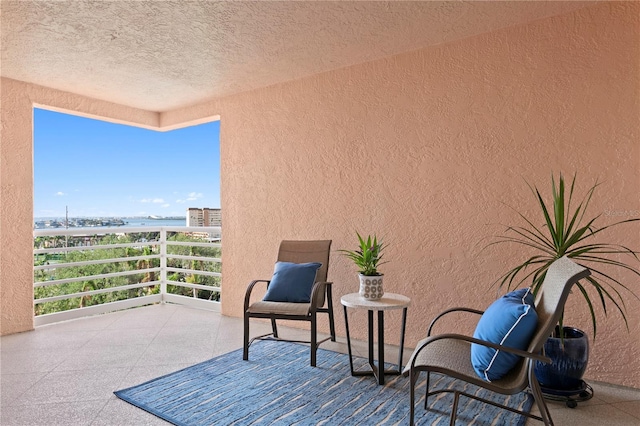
{"type": "Point", "coordinates": [368, 257]}
{"type": "Point", "coordinates": [567, 232]}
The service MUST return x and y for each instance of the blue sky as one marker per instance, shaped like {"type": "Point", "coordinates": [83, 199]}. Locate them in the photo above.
{"type": "Point", "coordinates": [101, 169]}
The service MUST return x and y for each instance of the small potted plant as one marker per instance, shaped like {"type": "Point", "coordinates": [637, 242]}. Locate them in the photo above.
{"type": "Point", "coordinates": [367, 258]}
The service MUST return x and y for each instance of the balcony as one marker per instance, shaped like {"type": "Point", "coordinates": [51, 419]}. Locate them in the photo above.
{"type": "Point", "coordinates": [446, 121]}
{"type": "Point", "coordinates": [65, 372]}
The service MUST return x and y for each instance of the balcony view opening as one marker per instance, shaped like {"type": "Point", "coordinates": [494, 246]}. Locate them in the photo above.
{"type": "Point", "coordinates": [123, 216]}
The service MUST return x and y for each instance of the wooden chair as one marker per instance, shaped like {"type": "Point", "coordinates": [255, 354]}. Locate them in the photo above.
{"type": "Point", "coordinates": [295, 252]}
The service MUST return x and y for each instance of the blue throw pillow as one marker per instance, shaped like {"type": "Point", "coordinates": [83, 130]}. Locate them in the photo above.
{"type": "Point", "coordinates": [509, 321]}
{"type": "Point", "coordinates": [292, 282]}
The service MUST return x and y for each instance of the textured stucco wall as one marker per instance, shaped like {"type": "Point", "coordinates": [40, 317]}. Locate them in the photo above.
{"type": "Point", "coordinates": [16, 212]}
{"type": "Point", "coordinates": [422, 149]}
{"type": "Point", "coordinates": [16, 180]}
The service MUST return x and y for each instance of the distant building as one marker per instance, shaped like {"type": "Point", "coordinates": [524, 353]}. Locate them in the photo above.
{"type": "Point", "coordinates": [204, 217]}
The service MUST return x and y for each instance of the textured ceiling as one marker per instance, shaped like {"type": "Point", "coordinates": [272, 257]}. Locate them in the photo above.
{"type": "Point", "coordinates": [163, 55]}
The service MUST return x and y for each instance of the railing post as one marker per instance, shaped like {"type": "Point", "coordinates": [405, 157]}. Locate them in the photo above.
{"type": "Point", "coordinates": [163, 263]}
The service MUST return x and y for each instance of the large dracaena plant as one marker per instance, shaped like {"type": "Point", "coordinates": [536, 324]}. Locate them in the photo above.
{"type": "Point", "coordinates": [567, 232]}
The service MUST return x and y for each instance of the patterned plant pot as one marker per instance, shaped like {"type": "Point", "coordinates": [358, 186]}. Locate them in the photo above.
{"type": "Point", "coordinates": [371, 287]}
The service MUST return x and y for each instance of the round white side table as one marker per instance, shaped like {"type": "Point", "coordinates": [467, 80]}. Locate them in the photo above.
{"type": "Point", "coordinates": [388, 302]}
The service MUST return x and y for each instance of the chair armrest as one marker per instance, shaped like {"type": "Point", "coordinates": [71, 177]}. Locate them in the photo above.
{"type": "Point", "coordinates": [247, 295]}
{"type": "Point", "coordinates": [470, 339]}
{"type": "Point", "coordinates": [316, 291]}
{"type": "Point", "coordinates": [448, 311]}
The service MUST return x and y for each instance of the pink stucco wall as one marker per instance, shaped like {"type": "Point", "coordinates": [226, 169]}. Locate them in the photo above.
{"type": "Point", "coordinates": [421, 148]}
{"type": "Point", "coordinates": [16, 178]}
{"type": "Point", "coordinates": [424, 148]}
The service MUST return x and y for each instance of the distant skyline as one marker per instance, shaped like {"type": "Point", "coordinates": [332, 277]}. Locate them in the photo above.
{"type": "Point", "coordinates": [100, 169]}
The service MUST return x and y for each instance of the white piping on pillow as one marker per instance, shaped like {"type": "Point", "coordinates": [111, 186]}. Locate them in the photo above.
{"type": "Point", "coordinates": [524, 314]}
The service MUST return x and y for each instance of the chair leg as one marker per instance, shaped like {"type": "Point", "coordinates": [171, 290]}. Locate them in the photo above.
{"type": "Point", "coordinates": [538, 397]}
{"type": "Point", "coordinates": [314, 339]}
{"type": "Point", "coordinates": [454, 409]}
{"type": "Point", "coordinates": [413, 376]}
{"type": "Point", "coordinates": [245, 346]}
{"type": "Point", "coordinates": [274, 327]}
{"type": "Point", "coordinates": [332, 327]}
{"type": "Point", "coordinates": [426, 392]}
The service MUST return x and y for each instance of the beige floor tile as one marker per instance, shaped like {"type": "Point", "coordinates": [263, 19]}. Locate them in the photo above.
{"type": "Point", "coordinates": [592, 415]}
{"type": "Point", "coordinates": [612, 394]}
{"type": "Point", "coordinates": [631, 407]}
{"type": "Point", "coordinates": [66, 373]}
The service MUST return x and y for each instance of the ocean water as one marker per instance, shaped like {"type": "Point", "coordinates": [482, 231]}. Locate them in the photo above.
{"type": "Point", "coordinates": [136, 222]}
{"type": "Point", "coordinates": [39, 222]}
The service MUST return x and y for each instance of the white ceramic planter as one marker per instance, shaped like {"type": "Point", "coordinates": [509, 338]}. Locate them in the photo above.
{"type": "Point", "coordinates": [371, 287]}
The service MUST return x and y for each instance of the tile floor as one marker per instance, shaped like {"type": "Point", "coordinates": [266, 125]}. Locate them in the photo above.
{"type": "Point", "coordinates": [65, 373]}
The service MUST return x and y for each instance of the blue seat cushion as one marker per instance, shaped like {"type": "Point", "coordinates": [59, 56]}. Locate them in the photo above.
{"type": "Point", "coordinates": [509, 321]}
{"type": "Point", "coordinates": [292, 282]}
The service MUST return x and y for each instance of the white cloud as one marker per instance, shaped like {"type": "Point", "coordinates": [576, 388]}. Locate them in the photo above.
{"type": "Point", "coordinates": [152, 200]}
{"type": "Point", "coordinates": [194, 196]}
{"type": "Point", "coordinates": [166, 205]}
{"type": "Point", "coordinates": [60, 193]}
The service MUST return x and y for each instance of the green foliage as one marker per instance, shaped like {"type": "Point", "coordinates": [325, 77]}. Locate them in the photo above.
{"type": "Point", "coordinates": [210, 252]}
{"type": "Point", "coordinates": [369, 255]}
{"type": "Point", "coordinates": [567, 232]}
{"type": "Point", "coordinates": [56, 273]}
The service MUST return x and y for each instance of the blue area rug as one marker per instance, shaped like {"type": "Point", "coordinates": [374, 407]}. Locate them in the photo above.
{"type": "Point", "coordinates": [278, 387]}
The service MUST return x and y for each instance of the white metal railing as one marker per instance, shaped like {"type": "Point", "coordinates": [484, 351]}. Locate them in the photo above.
{"type": "Point", "coordinates": [81, 241]}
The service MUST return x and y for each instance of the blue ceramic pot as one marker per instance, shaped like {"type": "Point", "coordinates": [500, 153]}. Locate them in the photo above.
{"type": "Point", "coordinates": [569, 361]}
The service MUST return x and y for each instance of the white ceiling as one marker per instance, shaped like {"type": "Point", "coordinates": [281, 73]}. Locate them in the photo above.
{"type": "Point", "coordinates": [162, 55]}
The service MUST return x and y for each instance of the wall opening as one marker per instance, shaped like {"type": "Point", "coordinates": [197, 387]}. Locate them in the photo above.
{"type": "Point", "coordinates": [104, 195]}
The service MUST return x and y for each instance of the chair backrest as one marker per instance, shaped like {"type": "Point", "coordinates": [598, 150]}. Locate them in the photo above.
{"type": "Point", "coordinates": [308, 251]}
{"type": "Point", "coordinates": [560, 277]}
{"type": "Point", "coordinates": [550, 300]}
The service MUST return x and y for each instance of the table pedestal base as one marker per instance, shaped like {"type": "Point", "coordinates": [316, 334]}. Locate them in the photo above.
{"type": "Point", "coordinates": [378, 371]}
